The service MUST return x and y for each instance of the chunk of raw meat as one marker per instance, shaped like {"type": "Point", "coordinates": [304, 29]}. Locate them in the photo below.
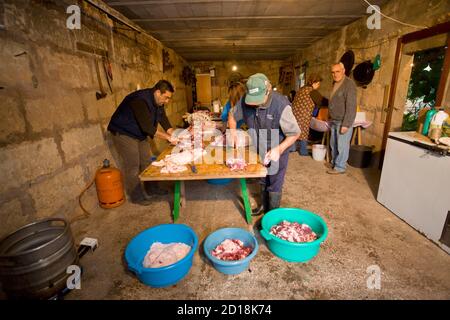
{"type": "Point", "coordinates": [161, 255]}
{"type": "Point", "coordinates": [160, 163]}
{"type": "Point", "coordinates": [242, 140]}
{"type": "Point", "coordinates": [236, 164]}
{"type": "Point", "coordinates": [231, 250]}
{"type": "Point", "coordinates": [185, 157]}
{"type": "Point", "coordinates": [293, 232]}
{"type": "Point", "coordinates": [172, 168]}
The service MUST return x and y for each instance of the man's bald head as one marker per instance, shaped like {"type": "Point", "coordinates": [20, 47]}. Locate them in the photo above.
{"type": "Point", "coordinates": [338, 71]}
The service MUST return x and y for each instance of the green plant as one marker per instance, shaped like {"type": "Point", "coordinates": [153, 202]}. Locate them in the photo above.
{"type": "Point", "coordinates": [409, 121]}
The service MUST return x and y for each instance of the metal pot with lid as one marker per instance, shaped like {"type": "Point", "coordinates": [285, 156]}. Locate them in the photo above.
{"type": "Point", "coordinates": [34, 259]}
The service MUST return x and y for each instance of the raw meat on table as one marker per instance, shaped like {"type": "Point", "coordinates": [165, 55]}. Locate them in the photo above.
{"type": "Point", "coordinates": [242, 140]}
{"type": "Point", "coordinates": [185, 157]}
{"type": "Point", "coordinates": [173, 168]}
{"type": "Point", "coordinates": [236, 164]}
{"type": "Point", "coordinates": [160, 163]}
{"type": "Point", "coordinates": [176, 162]}
{"type": "Point", "coordinates": [231, 250]}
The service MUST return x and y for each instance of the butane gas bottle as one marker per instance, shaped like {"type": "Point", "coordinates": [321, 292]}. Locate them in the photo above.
{"type": "Point", "coordinates": [108, 182]}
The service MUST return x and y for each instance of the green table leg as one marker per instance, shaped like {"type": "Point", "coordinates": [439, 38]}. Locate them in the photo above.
{"type": "Point", "coordinates": [248, 209]}
{"type": "Point", "coordinates": [176, 203]}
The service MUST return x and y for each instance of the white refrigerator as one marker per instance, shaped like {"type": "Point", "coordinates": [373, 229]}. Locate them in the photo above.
{"type": "Point", "coordinates": [415, 185]}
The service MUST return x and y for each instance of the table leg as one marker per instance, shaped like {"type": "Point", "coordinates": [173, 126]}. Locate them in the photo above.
{"type": "Point", "coordinates": [353, 140]}
{"type": "Point", "coordinates": [328, 153]}
{"type": "Point", "coordinates": [176, 203]}
{"type": "Point", "coordinates": [248, 209]}
{"type": "Point", "coordinates": [359, 135]}
{"type": "Point", "coordinates": [183, 194]}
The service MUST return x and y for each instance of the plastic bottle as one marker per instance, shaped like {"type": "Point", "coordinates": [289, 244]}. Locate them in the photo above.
{"type": "Point", "coordinates": [426, 124]}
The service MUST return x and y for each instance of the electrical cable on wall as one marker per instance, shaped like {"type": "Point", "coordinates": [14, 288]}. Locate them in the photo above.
{"type": "Point", "coordinates": [393, 19]}
{"type": "Point", "coordinates": [374, 45]}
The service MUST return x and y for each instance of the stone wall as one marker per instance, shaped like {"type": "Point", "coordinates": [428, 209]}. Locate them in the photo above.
{"type": "Point", "coordinates": [366, 44]}
{"type": "Point", "coordinates": [52, 128]}
{"type": "Point", "coordinates": [223, 72]}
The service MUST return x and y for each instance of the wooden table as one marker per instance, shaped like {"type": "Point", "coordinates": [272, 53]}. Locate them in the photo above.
{"type": "Point", "coordinates": [206, 169]}
{"type": "Point", "coordinates": [355, 139]}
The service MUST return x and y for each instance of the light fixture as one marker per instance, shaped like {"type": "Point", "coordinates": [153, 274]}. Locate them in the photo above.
{"type": "Point", "coordinates": [427, 68]}
{"type": "Point", "coordinates": [275, 89]}
{"type": "Point", "coordinates": [234, 68]}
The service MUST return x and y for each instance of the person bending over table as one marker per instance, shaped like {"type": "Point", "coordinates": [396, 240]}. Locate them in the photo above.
{"type": "Point", "coordinates": [264, 109]}
{"type": "Point", "coordinates": [134, 121]}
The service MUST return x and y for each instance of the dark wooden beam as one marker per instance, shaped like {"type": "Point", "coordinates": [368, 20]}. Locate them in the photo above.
{"type": "Point", "coordinates": [172, 2]}
{"type": "Point", "coordinates": [394, 80]}
{"type": "Point", "coordinates": [244, 29]}
{"type": "Point", "coordinates": [234, 18]}
{"type": "Point", "coordinates": [426, 33]}
{"type": "Point", "coordinates": [444, 75]}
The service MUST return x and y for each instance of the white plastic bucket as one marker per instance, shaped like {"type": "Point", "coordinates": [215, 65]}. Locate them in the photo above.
{"type": "Point", "coordinates": [319, 151]}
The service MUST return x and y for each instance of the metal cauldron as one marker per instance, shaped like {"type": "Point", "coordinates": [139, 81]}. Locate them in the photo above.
{"type": "Point", "coordinates": [34, 259]}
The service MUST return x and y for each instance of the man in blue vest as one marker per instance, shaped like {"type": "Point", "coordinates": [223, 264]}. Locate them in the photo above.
{"type": "Point", "coordinates": [136, 119]}
{"type": "Point", "coordinates": [274, 131]}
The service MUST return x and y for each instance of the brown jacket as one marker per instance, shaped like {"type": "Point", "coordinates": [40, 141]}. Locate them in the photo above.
{"type": "Point", "coordinates": [342, 105]}
{"type": "Point", "coordinates": [302, 107]}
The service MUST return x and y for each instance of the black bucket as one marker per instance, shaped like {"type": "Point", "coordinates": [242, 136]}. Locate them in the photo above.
{"type": "Point", "coordinates": [360, 156]}
{"type": "Point", "coordinates": [34, 259]}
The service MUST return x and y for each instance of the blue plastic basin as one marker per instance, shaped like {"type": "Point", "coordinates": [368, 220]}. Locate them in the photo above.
{"type": "Point", "coordinates": [218, 236]}
{"type": "Point", "coordinates": [219, 181]}
{"type": "Point", "coordinates": [164, 233]}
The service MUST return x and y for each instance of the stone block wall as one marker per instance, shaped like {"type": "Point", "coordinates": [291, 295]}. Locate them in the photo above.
{"type": "Point", "coordinates": [52, 128]}
{"type": "Point", "coordinates": [366, 44]}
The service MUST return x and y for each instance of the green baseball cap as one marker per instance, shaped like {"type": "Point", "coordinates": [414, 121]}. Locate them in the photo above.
{"type": "Point", "coordinates": [256, 88]}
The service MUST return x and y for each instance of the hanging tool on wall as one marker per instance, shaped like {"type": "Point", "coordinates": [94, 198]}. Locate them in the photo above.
{"type": "Point", "coordinates": [108, 72]}
{"type": "Point", "coordinates": [102, 93]}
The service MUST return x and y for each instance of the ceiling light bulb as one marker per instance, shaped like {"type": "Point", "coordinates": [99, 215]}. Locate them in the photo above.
{"type": "Point", "coordinates": [275, 89]}
{"type": "Point", "coordinates": [234, 68]}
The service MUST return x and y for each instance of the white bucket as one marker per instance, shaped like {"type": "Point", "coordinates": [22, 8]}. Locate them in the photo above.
{"type": "Point", "coordinates": [319, 151]}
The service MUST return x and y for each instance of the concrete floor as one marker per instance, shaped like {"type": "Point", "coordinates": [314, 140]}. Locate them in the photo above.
{"type": "Point", "coordinates": [361, 233]}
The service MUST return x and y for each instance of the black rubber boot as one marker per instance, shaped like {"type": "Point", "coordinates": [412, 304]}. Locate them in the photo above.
{"type": "Point", "coordinates": [264, 207]}
{"type": "Point", "coordinates": [274, 200]}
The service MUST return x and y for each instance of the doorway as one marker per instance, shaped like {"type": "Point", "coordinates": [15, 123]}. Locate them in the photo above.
{"type": "Point", "coordinates": [423, 85]}
{"type": "Point", "coordinates": [203, 90]}
{"type": "Point", "coordinates": [419, 80]}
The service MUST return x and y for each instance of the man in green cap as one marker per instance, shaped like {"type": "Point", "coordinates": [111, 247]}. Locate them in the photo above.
{"type": "Point", "coordinates": [274, 131]}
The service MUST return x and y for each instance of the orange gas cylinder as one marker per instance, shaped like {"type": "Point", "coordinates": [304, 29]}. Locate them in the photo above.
{"type": "Point", "coordinates": [108, 182]}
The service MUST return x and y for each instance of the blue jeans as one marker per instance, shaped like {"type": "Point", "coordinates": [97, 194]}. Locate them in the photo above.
{"type": "Point", "coordinates": [302, 147]}
{"type": "Point", "coordinates": [340, 146]}
{"type": "Point", "coordinates": [274, 183]}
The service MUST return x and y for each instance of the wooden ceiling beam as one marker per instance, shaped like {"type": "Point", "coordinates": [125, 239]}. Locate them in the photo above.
{"type": "Point", "coordinates": [172, 2]}
{"type": "Point", "coordinates": [233, 18]}
{"type": "Point", "coordinates": [201, 39]}
{"type": "Point", "coordinates": [244, 29]}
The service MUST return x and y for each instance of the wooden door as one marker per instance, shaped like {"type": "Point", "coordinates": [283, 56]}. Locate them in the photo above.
{"type": "Point", "coordinates": [204, 89]}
